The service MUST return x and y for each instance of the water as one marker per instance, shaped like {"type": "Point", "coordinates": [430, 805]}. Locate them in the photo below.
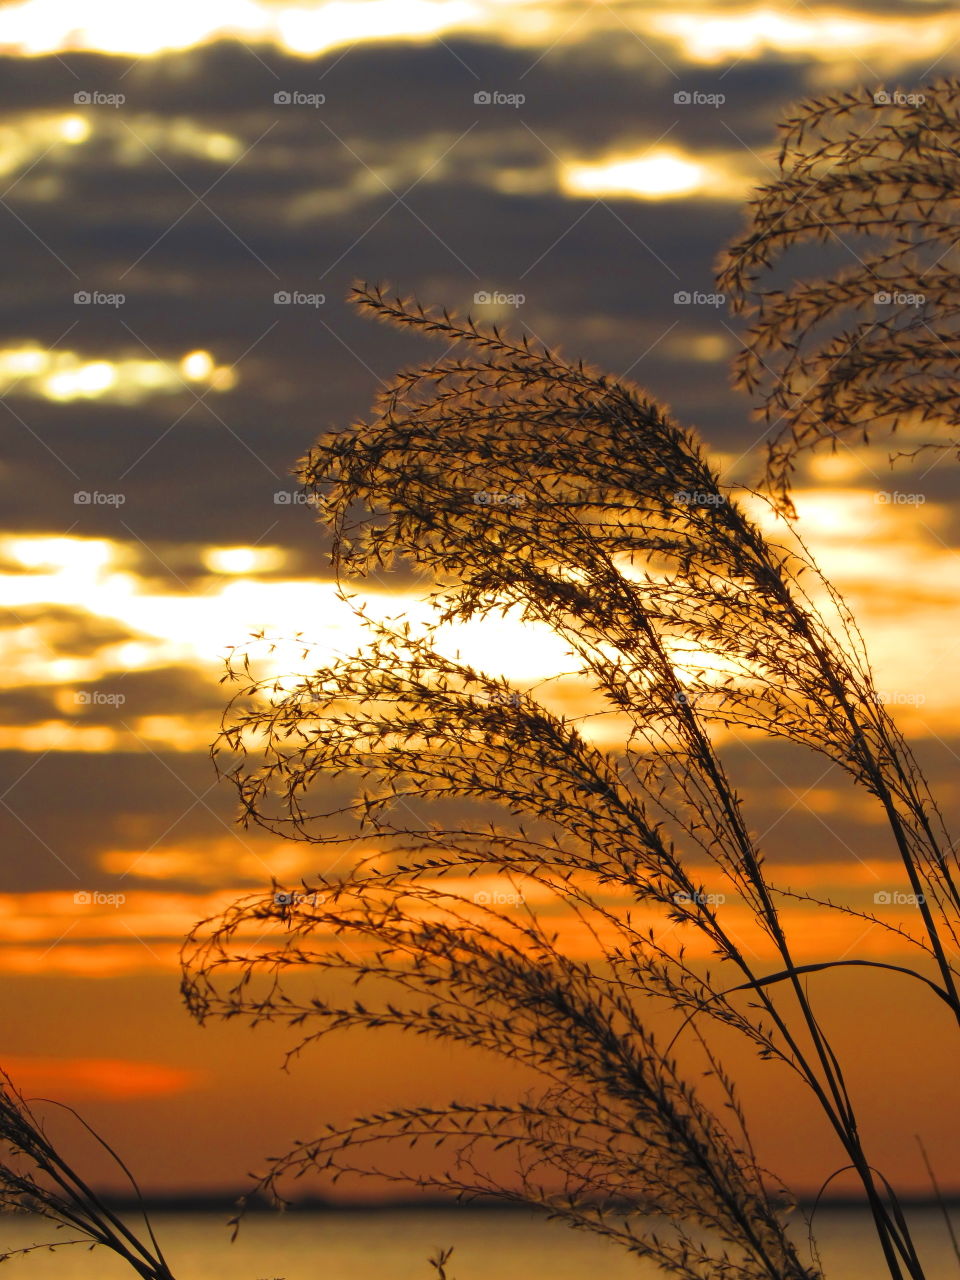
{"type": "Point", "coordinates": [395, 1245]}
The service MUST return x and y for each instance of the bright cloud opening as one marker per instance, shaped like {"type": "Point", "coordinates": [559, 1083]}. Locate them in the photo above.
{"type": "Point", "coordinates": [65, 375]}
{"type": "Point", "coordinates": [661, 174]}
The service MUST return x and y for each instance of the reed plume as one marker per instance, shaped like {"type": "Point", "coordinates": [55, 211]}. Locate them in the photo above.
{"type": "Point", "coordinates": [871, 345]}
{"type": "Point", "coordinates": [519, 481]}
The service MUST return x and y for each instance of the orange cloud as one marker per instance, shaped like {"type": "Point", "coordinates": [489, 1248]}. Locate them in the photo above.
{"type": "Point", "coordinates": [105, 934]}
{"type": "Point", "coordinates": [112, 1078]}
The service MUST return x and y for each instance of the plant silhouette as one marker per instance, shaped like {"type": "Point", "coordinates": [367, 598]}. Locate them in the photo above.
{"type": "Point", "coordinates": [520, 482]}
{"type": "Point", "coordinates": [879, 169]}
{"type": "Point", "coordinates": [36, 1179]}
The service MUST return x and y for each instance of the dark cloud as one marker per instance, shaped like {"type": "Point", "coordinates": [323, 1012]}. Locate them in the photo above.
{"type": "Point", "coordinates": [304, 209]}
{"type": "Point", "coordinates": [119, 698]}
{"type": "Point", "coordinates": [66, 631]}
{"type": "Point", "coordinates": [308, 205]}
{"type": "Point", "coordinates": [66, 809]}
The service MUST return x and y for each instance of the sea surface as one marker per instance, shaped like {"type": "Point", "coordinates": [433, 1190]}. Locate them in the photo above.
{"type": "Point", "coordinates": [396, 1245]}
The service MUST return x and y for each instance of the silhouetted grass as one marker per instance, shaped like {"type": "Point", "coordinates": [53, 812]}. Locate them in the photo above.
{"type": "Point", "coordinates": [36, 1179]}
{"type": "Point", "coordinates": [870, 346]}
{"type": "Point", "coordinates": [602, 519]}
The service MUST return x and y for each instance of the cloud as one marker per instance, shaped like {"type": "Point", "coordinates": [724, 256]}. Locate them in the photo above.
{"type": "Point", "coordinates": [704, 31]}
{"type": "Point", "coordinates": [65, 631]}
{"type": "Point", "coordinates": [118, 1079]}
{"type": "Point", "coordinates": [104, 200]}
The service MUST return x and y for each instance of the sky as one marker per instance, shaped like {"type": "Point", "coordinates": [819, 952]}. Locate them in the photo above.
{"type": "Point", "coordinates": [186, 195]}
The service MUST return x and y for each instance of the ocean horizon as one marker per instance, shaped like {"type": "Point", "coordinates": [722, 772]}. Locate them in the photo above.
{"type": "Point", "coordinates": [396, 1244]}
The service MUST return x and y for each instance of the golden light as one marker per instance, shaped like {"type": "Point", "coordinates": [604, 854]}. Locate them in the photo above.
{"type": "Point", "coordinates": [65, 376]}
{"type": "Point", "coordinates": [86, 381]}
{"type": "Point", "coordinates": [74, 129]}
{"type": "Point", "coordinates": [309, 31]}
{"type": "Point", "coordinates": [825, 34]}
{"type": "Point", "coordinates": [197, 366]}
{"type": "Point", "coordinates": [112, 26]}
{"type": "Point", "coordinates": [36, 27]}
{"type": "Point", "coordinates": [30, 137]}
{"type": "Point", "coordinates": [39, 27]}
{"type": "Point", "coordinates": [867, 545]}
{"type": "Point", "coordinates": [660, 174]}
{"type": "Point", "coordinates": [239, 561]}
{"type": "Point", "coordinates": [76, 555]}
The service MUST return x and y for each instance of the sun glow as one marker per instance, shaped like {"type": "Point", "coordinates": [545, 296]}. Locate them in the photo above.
{"type": "Point", "coordinates": [661, 174]}
{"type": "Point", "coordinates": [92, 587]}
{"type": "Point", "coordinates": [826, 35]}
{"type": "Point", "coordinates": [698, 31]}
{"type": "Point", "coordinates": [239, 561]}
{"type": "Point", "coordinates": [35, 27]}
{"type": "Point", "coordinates": [65, 375]}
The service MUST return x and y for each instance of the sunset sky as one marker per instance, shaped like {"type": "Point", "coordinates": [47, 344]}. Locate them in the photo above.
{"type": "Point", "coordinates": [187, 191]}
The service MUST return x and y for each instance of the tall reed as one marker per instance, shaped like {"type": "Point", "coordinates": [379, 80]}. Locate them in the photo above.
{"type": "Point", "coordinates": [36, 1179]}
{"type": "Point", "coordinates": [521, 482]}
